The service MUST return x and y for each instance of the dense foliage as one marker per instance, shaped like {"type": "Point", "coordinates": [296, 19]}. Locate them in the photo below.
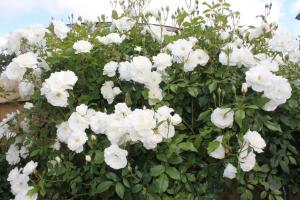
{"type": "Point", "coordinates": [131, 110]}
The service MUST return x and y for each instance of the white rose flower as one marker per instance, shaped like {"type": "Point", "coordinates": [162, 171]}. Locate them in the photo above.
{"type": "Point", "coordinates": [20, 184]}
{"type": "Point", "coordinates": [60, 29]}
{"type": "Point", "coordinates": [124, 70]}
{"type": "Point", "coordinates": [222, 117]}
{"type": "Point", "coordinates": [109, 92]}
{"type": "Point", "coordinates": [26, 89]}
{"type": "Point", "coordinates": [78, 122]}
{"type": "Point", "coordinates": [279, 91]}
{"type": "Point", "coordinates": [13, 174]}
{"type": "Point", "coordinates": [269, 64]}
{"type": "Point", "coordinates": [28, 105]}
{"type": "Point", "coordinates": [99, 123]}
{"type": "Point", "coordinates": [63, 132]}
{"type": "Point", "coordinates": [123, 24]}
{"type": "Point", "coordinates": [13, 155]}
{"type": "Point", "coordinates": [82, 46]}
{"type": "Point", "coordinates": [259, 78]}
{"type": "Point", "coordinates": [197, 57]}
{"type": "Point", "coordinates": [232, 59]}
{"type": "Point", "coordinates": [283, 42]}
{"type": "Point", "coordinates": [111, 38]}
{"type": "Point", "coordinates": [26, 60]}
{"type": "Point", "coordinates": [162, 61]}
{"type": "Point", "coordinates": [110, 69]}
{"type": "Point", "coordinates": [218, 153]}
{"type": "Point", "coordinates": [76, 141]}
{"type": "Point", "coordinates": [30, 167]}
{"type": "Point", "coordinates": [115, 157]}
{"type": "Point", "coordinates": [230, 171]}
{"type": "Point", "coordinates": [247, 160]}
{"type": "Point", "coordinates": [182, 48]}
{"type": "Point", "coordinates": [14, 72]}
{"type": "Point", "coordinates": [82, 109]}
{"type": "Point", "coordinates": [255, 141]}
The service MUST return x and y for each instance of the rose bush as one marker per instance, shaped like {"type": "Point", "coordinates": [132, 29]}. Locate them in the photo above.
{"type": "Point", "coordinates": [132, 110]}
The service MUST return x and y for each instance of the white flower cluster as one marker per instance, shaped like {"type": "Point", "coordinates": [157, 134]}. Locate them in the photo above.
{"type": "Point", "coordinates": [19, 65]}
{"type": "Point", "coordinates": [112, 38]}
{"type": "Point", "coordinates": [261, 79]}
{"type": "Point", "coordinates": [14, 154]}
{"type": "Point", "coordinates": [72, 132]}
{"type": "Point", "coordinates": [253, 142]}
{"type": "Point", "coordinates": [124, 125]}
{"type": "Point", "coordinates": [5, 128]}
{"type": "Point", "coordinates": [82, 46]}
{"type": "Point", "coordinates": [19, 178]}
{"type": "Point", "coordinates": [109, 92]}
{"type": "Point", "coordinates": [182, 51]}
{"type": "Point", "coordinates": [123, 24]}
{"type": "Point", "coordinates": [56, 86]}
{"type": "Point", "coordinates": [120, 127]}
{"type": "Point", "coordinates": [60, 29]}
{"type": "Point", "coordinates": [34, 35]}
{"type": "Point", "coordinates": [235, 54]}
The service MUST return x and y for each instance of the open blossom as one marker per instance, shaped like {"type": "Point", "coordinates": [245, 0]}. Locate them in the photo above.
{"type": "Point", "coordinates": [182, 48]}
{"type": "Point", "coordinates": [14, 72]}
{"type": "Point", "coordinates": [123, 24]}
{"type": "Point", "coordinates": [112, 38]}
{"type": "Point", "coordinates": [197, 57]}
{"type": "Point", "coordinates": [56, 86]}
{"type": "Point", "coordinates": [109, 92]}
{"type": "Point", "coordinates": [82, 46]}
{"type": "Point", "coordinates": [279, 91]}
{"type": "Point", "coordinates": [247, 160]}
{"type": "Point", "coordinates": [110, 69]}
{"type": "Point", "coordinates": [63, 132]}
{"type": "Point", "coordinates": [13, 155]}
{"type": "Point", "coordinates": [157, 32]}
{"type": "Point", "coordinates": [255, 141]}
{"type": "Point", "coordinates": [219, 152]}
{"type": "Point", "coordinates": [232, 55]}
{"type": "Point", "coordinates": [99, 122]}
{"type": "Point", "coordinates": [76, 141]}
{"type": "Point", "coordinates": [60, 29]}
{"type": "Point", "coordinates": [283, 42]}
{"type": "Point", "coordinates": [26, 60]}
{"type": "Point", "coordinates": [259, 78]}
{"type": "Point", "coordinates": [222, 117]}
{"type": "Point", "coordinates": [230, 171]}
{"type": "Point", "coordinates": [30, 167]}
{"type": "Point", "coordinates": [162, 61]}
{"type": "Point", "coordinates": [115, 157]}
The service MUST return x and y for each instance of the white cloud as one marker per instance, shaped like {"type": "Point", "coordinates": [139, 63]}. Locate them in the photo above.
{"type": "Point", "coordinates": [296, 7]}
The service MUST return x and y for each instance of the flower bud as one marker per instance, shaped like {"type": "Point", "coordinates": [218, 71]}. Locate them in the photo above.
{"type": "Point", "coordinates": [93, 137]}
{"type": "Point", "coordinates": [58, 160]}
{"type": "Point", "coordinates": [244, 88]}
{"type": "Point", "coordinates": [88, 158]}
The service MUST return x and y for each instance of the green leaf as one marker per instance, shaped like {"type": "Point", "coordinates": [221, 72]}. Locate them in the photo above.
{"type": "Point", "coordinates": [136, 188]}
{"type": "Point", "coordinates": [273, 126]}
{"type": "Point", "coordinates": [204, 115]}
{"type": "Point", "coordinates": [239, 117]}
{"type": "Point", "coordinates": [193, 91]}
{"type": "Point", "coordinates": [120, 190]}
{"type": "Point", "coordinates": [213, 86]}
{"type": "Point", "coordinates": [173, 173]}
{"type": "Point", "coordinates": [162, 183]}
{"type": "Point", "coordinates": [213, 146]}
{"type": "Point", "coordinates": [102, 187]}
{"type": "Point", "coordinates": [157, 170]}
{"type": "Point", "coordinates": [187, 146]}
{"type": "Point", "coordinates": [99, 157]}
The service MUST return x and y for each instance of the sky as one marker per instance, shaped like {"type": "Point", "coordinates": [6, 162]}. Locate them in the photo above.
{"type": "Point", "coordinates": [21, 13]}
